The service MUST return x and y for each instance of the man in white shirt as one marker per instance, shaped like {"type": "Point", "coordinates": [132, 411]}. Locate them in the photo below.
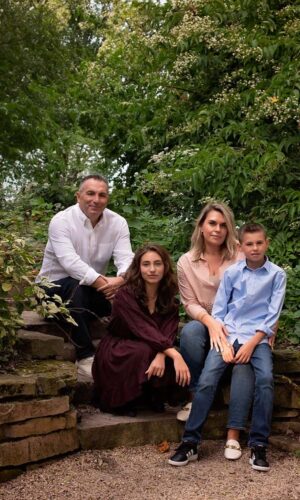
{"type": "Point", "coordinates": [81, 241]}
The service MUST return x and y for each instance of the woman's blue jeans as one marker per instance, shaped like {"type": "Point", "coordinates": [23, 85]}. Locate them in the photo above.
{"type": "Point", "coordinates": [194, 347]}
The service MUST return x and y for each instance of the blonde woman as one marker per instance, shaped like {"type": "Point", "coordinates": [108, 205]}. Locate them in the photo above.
{"type": "Point", "coordinates": [213, 250]}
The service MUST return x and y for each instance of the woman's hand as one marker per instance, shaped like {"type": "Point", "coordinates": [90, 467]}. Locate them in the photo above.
{"type": "Point", "coordinates": [183, 376]}
{"type": "Point", "coordinates": [217, 332]}
{"type": "Point", "coordinates": [227, 353]}
{"type": "Point", "coordinates": [157, 366]}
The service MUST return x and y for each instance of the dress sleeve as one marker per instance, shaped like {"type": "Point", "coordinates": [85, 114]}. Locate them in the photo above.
{"type": "Point", "coordinates": [142, 326]}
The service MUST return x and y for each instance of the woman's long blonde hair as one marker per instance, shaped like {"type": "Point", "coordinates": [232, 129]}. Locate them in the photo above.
{"type": "Point", "coordinates": [229, 246]}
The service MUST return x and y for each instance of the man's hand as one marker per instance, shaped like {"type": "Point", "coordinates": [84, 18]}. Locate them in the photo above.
{"type": "Point", "coordinates": [157, 366]}
{"type": "Point", "coordinates": [110, 286]}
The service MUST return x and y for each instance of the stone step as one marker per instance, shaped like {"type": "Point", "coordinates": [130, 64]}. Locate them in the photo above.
{"type": "Point", "coordinates": [34, 322]}
{"type": "Point", "coordinates": [37, 345]}
{"type": "Point", "coordinates": [103, 430]}
{"type": "Point", "coordinates": [35, 448]}
{"type": "Point", "coordinates": [286, 361]}
{"type": "Point", "coordinates": [39, 378]}
{"type": "Point", "coordinates": [18, 411]}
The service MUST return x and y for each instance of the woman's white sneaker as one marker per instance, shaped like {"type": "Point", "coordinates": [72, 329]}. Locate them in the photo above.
{"type": "Point", "coordinates": [184, 413]}
{"type": "Point", "coordinates": [233, 450]}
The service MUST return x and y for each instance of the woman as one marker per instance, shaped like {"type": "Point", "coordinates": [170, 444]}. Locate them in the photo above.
{"type": "Point", "coordinates": [213, 250]}
{"type": "Point", "coordinates": [137, 356]}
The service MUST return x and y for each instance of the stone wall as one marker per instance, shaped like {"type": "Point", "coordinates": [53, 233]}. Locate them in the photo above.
{"type": "Point", "coordinates": [37, 420]}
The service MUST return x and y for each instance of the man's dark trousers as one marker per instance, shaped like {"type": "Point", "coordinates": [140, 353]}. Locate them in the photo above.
{"type": "Point", "coordinates": [85, 303]}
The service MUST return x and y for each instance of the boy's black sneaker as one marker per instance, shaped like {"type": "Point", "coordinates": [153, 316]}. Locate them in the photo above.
{"type": "Point", "coordinates": [258, 458]}
{"type": "Point", "coordinates": [185, 453]}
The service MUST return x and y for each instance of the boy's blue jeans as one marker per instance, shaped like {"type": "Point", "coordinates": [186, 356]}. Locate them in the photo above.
{"type": "Point", "coordinates": [194, 347]}
{"type": "Point", "coordinates": [262, 364]}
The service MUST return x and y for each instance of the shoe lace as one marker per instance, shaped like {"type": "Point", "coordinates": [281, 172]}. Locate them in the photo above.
{"type": "Point", "coordinates": [185, 447]}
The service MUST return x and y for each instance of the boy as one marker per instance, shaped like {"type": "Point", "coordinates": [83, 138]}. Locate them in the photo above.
{"type": "Point", "coordinates": [248, 303]}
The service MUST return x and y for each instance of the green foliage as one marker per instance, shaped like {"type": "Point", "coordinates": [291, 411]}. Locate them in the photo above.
{"type": "Point", "coordinates": [44, 49]}
{"type": "Point", "coordinates": [290, 317]}
{"type": "Point", "coordinates": [201, 100]}
{"type": "Point", "coordinates": [19, 291]}
{"type": "Point", "coordinates": [176, 102]}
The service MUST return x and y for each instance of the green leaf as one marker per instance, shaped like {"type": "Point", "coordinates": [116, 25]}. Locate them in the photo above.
{"type": "Point", "coordinates": [6, 287]}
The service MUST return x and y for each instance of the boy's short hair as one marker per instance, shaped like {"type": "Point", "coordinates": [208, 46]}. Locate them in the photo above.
{"type": "Point", "coordinates": [251, 227]}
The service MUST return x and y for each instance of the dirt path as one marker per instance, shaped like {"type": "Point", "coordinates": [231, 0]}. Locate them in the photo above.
{"type": "Point", "coordinates": [143, 473]}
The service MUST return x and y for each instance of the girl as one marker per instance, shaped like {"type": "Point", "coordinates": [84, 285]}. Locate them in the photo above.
{"type": "Point", "coordinates": [137, 356]}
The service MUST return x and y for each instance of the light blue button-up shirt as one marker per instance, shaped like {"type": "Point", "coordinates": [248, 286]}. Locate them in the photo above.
{"type": "Point", "coordinates": [249, 300]}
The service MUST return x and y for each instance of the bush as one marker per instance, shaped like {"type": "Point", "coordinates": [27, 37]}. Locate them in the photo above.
{"type": "Point", "coordinates": [18, 291]}
{"type": "Point", "coordinates": [289, 321]}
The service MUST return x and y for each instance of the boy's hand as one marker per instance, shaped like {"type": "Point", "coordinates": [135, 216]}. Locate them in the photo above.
{"type": "Point", "coordinates": [271, 341]}
{"type": "Point", "coordinates": [227, 353]}
{"type": "Point", "coordinates": [245, 352]}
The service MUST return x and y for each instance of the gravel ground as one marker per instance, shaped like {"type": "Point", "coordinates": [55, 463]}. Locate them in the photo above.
{"type": "Point", "coordinates": [143, 473]}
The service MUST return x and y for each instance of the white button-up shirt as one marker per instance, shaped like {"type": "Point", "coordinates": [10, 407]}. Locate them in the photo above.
{"type": "Point", "coordinates": [77, 249]}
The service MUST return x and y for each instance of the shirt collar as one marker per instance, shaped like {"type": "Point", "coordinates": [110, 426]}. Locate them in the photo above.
{"type": "Point", "coordinates": [84, 218]}
{"type": "Point", "coordinates": [80, 213]}
{"type": "Point", "coordinates": [266, 265]}
{"type": "Point", "coordinates": [205, 260]}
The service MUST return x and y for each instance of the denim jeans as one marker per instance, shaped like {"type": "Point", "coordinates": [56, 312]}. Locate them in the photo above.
{"type": "Point", "coordinates": [261, 362]}
{"type": "Point", "coordinates": [194, 347]}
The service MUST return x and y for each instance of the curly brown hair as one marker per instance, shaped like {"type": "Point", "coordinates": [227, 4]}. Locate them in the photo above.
{"type": "Point", "coordinates": [167, 288]}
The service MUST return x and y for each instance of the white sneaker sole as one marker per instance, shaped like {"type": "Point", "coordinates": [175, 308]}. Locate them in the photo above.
{"type": "Point", "coordinates": [258, 467]}
{"type": "Point", "coordinates": [180, 464]}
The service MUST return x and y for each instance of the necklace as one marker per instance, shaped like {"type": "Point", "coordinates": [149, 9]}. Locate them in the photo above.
{"type": "Point", "coordinates": [214, 263]}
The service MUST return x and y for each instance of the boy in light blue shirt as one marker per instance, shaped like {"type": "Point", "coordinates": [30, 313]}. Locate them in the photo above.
{"type": "Point", "coordinates": [248, 303]}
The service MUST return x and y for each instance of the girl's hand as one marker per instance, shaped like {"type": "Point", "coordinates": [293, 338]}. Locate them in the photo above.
{"type": "Point", "coordinates": [183, 376]}
{"type": "Point", "coordinates": [157, 366]}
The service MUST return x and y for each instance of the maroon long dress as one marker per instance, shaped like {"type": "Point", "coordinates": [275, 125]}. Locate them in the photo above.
{"type": "Point", "coordinates": [123, 356]}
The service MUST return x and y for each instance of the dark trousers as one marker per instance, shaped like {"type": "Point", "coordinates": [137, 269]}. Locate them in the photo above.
{"type": "Point", "coordinates": [85, 303]}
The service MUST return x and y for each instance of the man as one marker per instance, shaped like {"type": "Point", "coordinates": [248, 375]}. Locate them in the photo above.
{"type": "Point", "coordinates": [81, 241]}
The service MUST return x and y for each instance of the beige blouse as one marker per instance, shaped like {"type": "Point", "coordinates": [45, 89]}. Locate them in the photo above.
{"type": "Point", "coordinates": [196, 286]}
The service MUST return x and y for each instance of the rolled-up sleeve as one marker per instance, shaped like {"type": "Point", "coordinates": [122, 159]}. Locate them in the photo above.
{"type": "Point", "coordinates": [276, 304]}
{"type": "Point", "coordinates": [122, 252]}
